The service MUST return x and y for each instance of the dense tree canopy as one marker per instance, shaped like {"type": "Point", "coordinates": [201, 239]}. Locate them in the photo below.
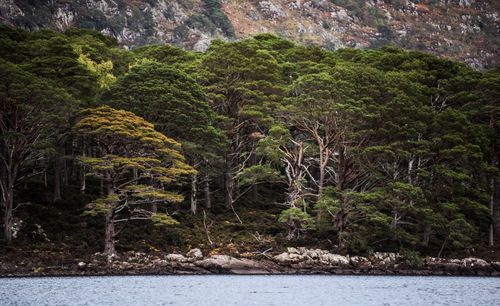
{"type": "Point", "coordinates": [354, 150]}
{"type": "Point", "coordinates": [33, 111]}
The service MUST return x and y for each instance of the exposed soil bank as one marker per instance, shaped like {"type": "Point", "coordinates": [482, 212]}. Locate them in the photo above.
{"type": "Point", "coordinates": [294, 261]}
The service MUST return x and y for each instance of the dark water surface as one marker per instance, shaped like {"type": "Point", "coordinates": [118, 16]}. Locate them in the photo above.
{"type": "Point", "coordinates": [250, 290]}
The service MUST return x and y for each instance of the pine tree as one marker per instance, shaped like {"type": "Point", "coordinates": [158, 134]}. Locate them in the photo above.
{"type": "Point", "coordinates": [136, 162]}
{"type": "Point", "coordinates": [243, 86]}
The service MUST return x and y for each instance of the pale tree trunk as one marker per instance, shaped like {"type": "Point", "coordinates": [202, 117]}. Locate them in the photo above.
{"type": "Point", "coordinates": [426, 236]}
{"type": "Point", "coordinates": [109, 235]}
{"type": "Point", "coordinates": [206, 191]}
{"type": "Point", "coordinates": [339, 228]}
{"type": "Point", "coordinates": [194, 191]}
{"type": "Point", "coordinates": [294, 172]}
{"type": "Point", "coordinates": [153, 207]}
{"type": "Point", "coordinates": [341, 170]}
{"type": "Point", "coordinates": [109, 240]}
{"type": "Point", "coordinates": [228, 190]}
{"type": "Point", "coordinates": [410, 170]}
{"type": "Point", "coordinates": [83, 182]}
{"type": "Point", "coordinates": [321, 181]}
{"type": "Point", "coordinates": [57, 178]}
{"type": "Point", "coordinates": [8, 201]}
{"type": "Point", "coordinates": [442, 246]}
{"type": "Point", "coordinates": [8, 176]}
{"type": "Point", "coordinates": [323, 161]}
{"type": "Point", "coordinates": [232, 163]}
{"type": "Point", "coordinates": [491, 236]}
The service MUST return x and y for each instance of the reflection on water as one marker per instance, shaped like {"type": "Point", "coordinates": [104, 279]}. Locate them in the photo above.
{"type": "Point", "coordinates": [250, 290]}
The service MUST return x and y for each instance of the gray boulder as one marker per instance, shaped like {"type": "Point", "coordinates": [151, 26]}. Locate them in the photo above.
{"type": "Point", "coordinates": [225, 263]}
{"type": "Point", "coordinates": [178, 258]}
{"type": "Point", "coordinates": [195, 253]}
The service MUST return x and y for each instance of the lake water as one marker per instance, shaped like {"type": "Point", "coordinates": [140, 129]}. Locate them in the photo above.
{"type": "Point", "coordinates": [250, 290]}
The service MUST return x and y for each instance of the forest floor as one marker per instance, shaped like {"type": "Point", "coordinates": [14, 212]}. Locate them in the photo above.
{"type": "Point", "coordinates": [55, 239]}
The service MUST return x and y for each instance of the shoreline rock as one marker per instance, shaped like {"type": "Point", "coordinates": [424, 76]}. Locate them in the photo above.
{"type": "Point", "coordinates": [293, 261]}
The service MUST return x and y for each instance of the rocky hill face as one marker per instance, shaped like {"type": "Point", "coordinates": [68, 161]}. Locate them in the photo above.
{"type": "Point", "coordinates": [467, 30]}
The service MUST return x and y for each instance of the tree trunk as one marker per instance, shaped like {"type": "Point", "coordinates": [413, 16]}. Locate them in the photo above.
{"type": "Point", "coordinates": [57, 179]}
{"type": "Point", "coordinates": [65, 171]}
{"type": "Point", "coordinates": [496, 207]}
{"type": "Point", "coordinates": [109, 235]}
{"type": "Point", "coordinates": [495, 190]}
{"type": "Point", "coordinates": [321, 181]}
{"type": "Point", "coordinates": [341, 170]}
{"type": "Point", "coordinates": [492, 212]}
{"type": "Point", "coordinates": [83, 182]}
{"type": "Point", "coordinates": [154, 207]}
{"type": "Point", "coordinates": [340, 231]}
{"type": "Point", "coordinates": [322, 166]}
{"type": "Point", "coordinates": [442, 247]}
{"type": "Point", "coordinates": [101, 187]}
{"type": "Point", "coordinates": [253, 162]}
{"type": "Point", "coordinates": [232, 163]}
{"type": "Point", "coordinates": [8, 205]}
{"type": "Point", "coordinates": [228, 190]}
{"type": "Point", "coordinates": [427, 235]}
{"type": "Point", "coordinates": [7, 174]}
{"type": "Point", "coordinates": [109, 238]}
{"type": "Point", "coordinates": [45, 184]}
{"type": "Point", "coordinates": [83, 173]}
{"type": "Point", "coordinates": [206, 190]}
{"type": "Point", "coordinates": [194, 191]}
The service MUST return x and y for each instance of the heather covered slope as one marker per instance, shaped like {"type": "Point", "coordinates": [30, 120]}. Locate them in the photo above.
{"type": "Point", "coordinates": [467, 29]}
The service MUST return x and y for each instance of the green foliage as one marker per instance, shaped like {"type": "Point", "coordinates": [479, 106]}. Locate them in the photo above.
{"type": "Point", "coordinates": [355, 218]}
{"type": "Point", "coordinates": [177, 106]}
{"type": "Point", "coordinates": [460, 232]}
{"type": "Point", "coordinates": [160, 219]}
{"type": "Point", "coordinates": [258, 174]}
{"type": "Point", "coordinates": [412, 257]}
{"type": "Point", "coordinates": [166, 96]}
{"type": "Point", "coordinates": [391, 150]}
{"type": "Point", "coordinates": [297, 221]}
{"type": "Point", "coordinates": [165, 54]}
{"type": "Point", "coordinates": [242, 81]}
{"type": "Point", "coordinates": [128, 143]}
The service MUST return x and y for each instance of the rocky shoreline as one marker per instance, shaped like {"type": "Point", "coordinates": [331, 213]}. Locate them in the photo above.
{"type": "Point", "coordinates": [293, 261]}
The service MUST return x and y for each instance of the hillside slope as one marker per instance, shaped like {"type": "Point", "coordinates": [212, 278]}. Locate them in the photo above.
{"type": "Point", "coordinates": [467, 30]}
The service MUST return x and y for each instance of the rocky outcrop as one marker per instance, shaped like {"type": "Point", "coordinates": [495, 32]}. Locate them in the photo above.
{"type": "Point", "coordinates": [228, 264]}
{"type": "Point", "coordinates": [195, 253]}
{"type": "Point", "coordinates": [304, 260]}
{"type": "Point", "coordinates": [293, 261]}
{"type": "Point", "coordinates": [466, 266]}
